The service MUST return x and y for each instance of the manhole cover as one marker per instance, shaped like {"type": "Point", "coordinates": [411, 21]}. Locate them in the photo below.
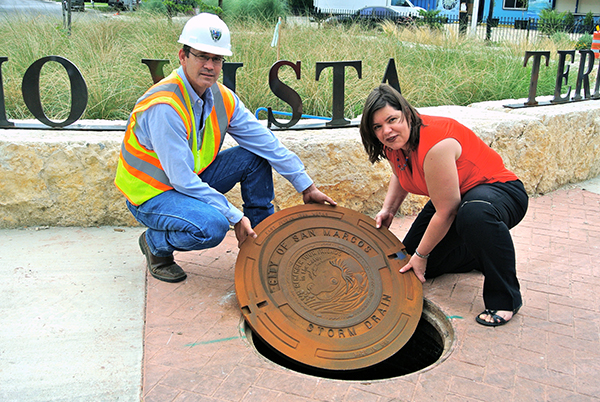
{"type": "Point", "coordinates": [320, 284]}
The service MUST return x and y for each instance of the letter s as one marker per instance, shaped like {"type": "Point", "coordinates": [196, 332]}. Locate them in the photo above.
{"type": "Point", "coordinates": [285, 93]}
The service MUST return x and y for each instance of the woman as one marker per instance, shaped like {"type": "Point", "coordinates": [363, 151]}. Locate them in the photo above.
{"type": "Point", "coordinates": [474, 199]}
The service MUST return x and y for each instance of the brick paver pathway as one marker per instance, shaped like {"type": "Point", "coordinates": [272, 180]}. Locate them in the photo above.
{"type": "Point", "coordinates": [195, 348]}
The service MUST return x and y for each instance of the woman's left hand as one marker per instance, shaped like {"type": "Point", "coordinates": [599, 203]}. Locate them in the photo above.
{"type": "Point", "coordinates": [418, 265]}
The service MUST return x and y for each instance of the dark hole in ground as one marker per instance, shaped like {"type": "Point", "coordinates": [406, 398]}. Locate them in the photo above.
{"type": "Point", "coordinates": [422, 350]}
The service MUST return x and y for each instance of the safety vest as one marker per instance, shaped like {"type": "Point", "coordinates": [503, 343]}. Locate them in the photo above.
{"type": "Point", "coordinates": [140, 175]}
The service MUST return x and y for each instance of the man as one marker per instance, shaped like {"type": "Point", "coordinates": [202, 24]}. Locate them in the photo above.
{"type": "Point", "coordinates": [170, 168]}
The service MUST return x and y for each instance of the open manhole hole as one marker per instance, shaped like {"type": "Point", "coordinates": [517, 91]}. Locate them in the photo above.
{"type": "Point", "coordinates": [321, 290]}
{"type": "Point", "coordinates": [430, 345]}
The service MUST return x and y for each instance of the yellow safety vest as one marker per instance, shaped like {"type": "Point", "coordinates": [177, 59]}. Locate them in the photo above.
{"type": "Point", "coordinates": [140, 175]}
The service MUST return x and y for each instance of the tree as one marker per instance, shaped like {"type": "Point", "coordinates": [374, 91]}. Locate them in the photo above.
{"type": "Point", "coordinates": [299, 7]}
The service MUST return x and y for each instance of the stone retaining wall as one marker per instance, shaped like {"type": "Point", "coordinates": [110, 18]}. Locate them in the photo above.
{"type": "Point", "coordinates": [65, 178]}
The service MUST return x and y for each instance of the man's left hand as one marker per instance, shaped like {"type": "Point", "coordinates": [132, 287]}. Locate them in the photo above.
{"type": "Point", "coordinates": [243, 230]}
{"type": "Point", "coordinates": [312, 195]}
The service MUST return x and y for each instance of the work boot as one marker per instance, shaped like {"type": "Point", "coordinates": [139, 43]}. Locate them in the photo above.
{"type": "Point", "coordinates": [162, 268]}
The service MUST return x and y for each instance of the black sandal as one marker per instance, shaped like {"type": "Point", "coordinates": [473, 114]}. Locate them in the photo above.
{"type": "Point", "coordinates": [496, 319]}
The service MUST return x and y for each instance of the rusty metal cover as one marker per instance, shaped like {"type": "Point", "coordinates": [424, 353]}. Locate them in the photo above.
{"type": "Point", "coordinates": [320, 284]}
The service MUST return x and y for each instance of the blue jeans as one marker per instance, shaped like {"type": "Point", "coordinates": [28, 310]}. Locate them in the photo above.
{"type": "Point", "coordinates": [176, 221]}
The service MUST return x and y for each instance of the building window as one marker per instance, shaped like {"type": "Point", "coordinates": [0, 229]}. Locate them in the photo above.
{"type": "Point", "coordinates": [515, 4]}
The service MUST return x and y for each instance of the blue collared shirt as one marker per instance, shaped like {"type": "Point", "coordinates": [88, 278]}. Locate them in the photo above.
{"type": "Point", "coordinates": [161, 129]}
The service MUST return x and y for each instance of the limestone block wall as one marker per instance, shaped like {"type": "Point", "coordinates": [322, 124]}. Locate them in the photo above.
{"type": "Point", "coordinates": [59, 178]}
{"type": "Point", "coordinates": [65, 178]}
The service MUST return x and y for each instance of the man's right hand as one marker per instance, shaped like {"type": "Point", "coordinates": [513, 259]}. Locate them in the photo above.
{"type": "Point", "coordinates": [313, 195]}
{"type": "Point", "coordinates": [243, 230]}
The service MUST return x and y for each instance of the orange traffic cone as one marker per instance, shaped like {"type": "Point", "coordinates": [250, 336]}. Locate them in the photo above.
{"type": "Point", "coordinates": [596, 43]}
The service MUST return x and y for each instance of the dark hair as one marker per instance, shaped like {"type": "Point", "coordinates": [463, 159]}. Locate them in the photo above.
{"type": "Point", "coordinates": [379, 98]}
{"type": "Point", "coordinates": [186, 50]}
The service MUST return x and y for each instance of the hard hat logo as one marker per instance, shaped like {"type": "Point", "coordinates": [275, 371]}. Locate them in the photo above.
{"type": "Point", "coordinates": [215, 34]}
{"type": "Point", "coordinates": [207, 33]}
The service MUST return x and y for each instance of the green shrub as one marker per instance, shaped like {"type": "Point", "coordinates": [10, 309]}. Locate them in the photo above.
{"type": "Point", "coordinates": [207, 8]}
{"type": "Point", "coordinates": [431, 18]}
{"type": "Point", "coordinates": [257, 10]}
{"type": "Point", "coordinates": [588, 20]}
{"type": "Point", "coordinates": [551, 22]}
{"type": "Point", "coordinates": [300, 7]}
{"type": "Point", "coordinates": [560, 38]}
{"type": "Point", "coordinates": [569, 22]}
{"type": "Point", "coordinates": [585, 42]}
{"type": "Point", "coordinates": [153, 6]}
{"type": "Point", "coordinates": [174, 7]}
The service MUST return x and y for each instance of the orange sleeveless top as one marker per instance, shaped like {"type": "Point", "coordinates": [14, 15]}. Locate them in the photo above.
{"type": "Point", "coordinates": [477, 164]}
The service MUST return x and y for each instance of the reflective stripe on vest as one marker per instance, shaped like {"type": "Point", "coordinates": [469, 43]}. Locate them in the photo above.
{"type": "Point", "coordinates": [139, 173]}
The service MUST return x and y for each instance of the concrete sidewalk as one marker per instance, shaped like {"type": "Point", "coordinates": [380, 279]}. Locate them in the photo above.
{"type": "Point", "coordinates": [73, 315]}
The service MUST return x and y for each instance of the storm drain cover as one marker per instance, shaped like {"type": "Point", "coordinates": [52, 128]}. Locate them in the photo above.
{"type": "Point", "coordinates": [320, 284]}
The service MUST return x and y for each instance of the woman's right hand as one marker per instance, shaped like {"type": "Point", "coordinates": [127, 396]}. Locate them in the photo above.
{"type": "Point", "coordinates": [384, 218]}
{"type": "Point", "coordinates": [393, 199]}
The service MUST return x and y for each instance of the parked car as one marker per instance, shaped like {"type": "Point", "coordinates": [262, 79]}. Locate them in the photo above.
{"type": "Point", "coordinates": [407, 8]}
{"type": "Point", "coordinates": [76, 5]}
{"type": "Point", "coordinates": [372, 16]}
{"type": "Point", "coordinates": [124, 4]}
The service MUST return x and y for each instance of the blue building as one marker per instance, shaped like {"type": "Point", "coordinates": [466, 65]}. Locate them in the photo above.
{"type": "Point", "coordinates": [513, 9]}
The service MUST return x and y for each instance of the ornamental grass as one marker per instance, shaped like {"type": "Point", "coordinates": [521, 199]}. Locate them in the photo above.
{"type": "Point", "coordinates": [435, 67]}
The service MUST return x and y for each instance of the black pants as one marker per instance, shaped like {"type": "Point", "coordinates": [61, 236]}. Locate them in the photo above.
{"type": "Point", "coordinates": [479, 238]}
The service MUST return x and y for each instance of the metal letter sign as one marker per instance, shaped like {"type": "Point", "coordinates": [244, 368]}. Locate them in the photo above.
{"type": "Point", "coordinates": [229, 71]}
{"type": "Point", "coordinates": [79, 93]}
{"type": "Point", "coordinates": [562, 76]}
{"type": "Point", "coordinates": [339, 70]}
{"type": "Point", "coordinates": [583, 74]}
{"type": "Point", "coordinates": [285, 93]}
{"type": "Point", "coordinates": [535, 73]}
{"type": "Point", "coordinates": [3, 121]}
{"type": "Point", "coordinates": [31, 91]}
{"type": "Point", "coordinates": [391, 76]}
{"type": "Point", "coordinates": [156, 68]}
{"type": "Point", "coordinates": [586, 65]}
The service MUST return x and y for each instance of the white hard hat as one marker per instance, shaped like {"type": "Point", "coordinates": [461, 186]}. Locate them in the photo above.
{"type": "Point", "coordinates": [207, 33]}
